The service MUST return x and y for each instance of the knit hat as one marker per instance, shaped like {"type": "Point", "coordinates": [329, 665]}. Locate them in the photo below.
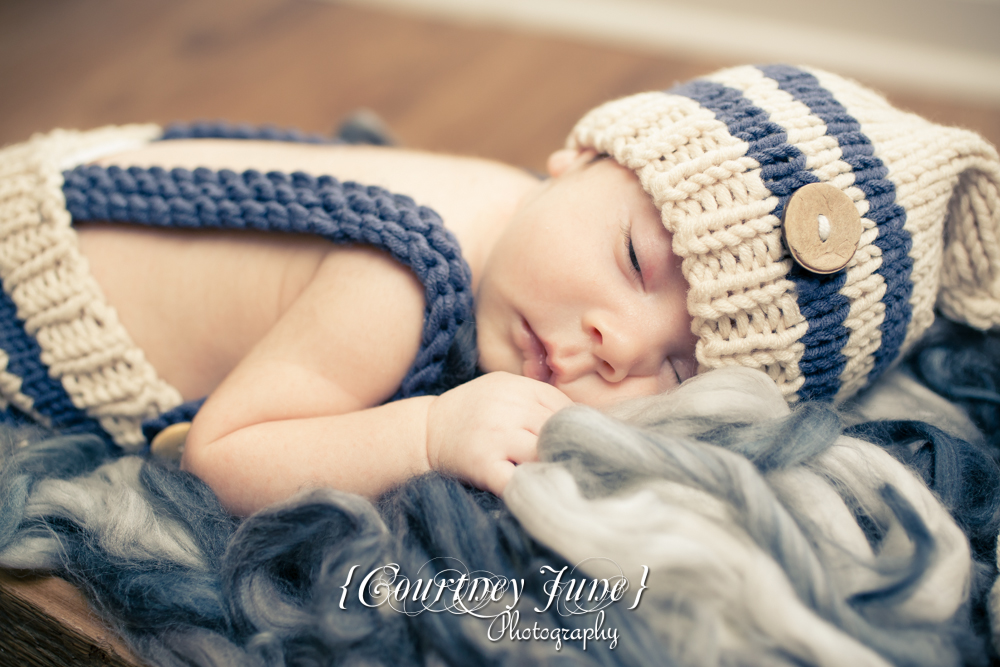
{"type": "Point", "coordinates": [727, 159]}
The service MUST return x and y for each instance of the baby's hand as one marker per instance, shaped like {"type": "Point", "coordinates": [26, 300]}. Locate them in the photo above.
{"type": "Point", "coordinates": [481, 430]}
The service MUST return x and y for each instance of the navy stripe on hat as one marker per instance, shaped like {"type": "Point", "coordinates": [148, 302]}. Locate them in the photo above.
{"type": "Point", "coordinates": [870, 177]}
{"type": "Point", "coordinates": [783, 170]}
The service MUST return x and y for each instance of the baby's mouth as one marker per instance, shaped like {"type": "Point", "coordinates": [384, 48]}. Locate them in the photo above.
{"type": "Point", "coordinates": [536, 359]}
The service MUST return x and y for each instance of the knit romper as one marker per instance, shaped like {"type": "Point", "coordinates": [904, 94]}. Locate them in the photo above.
{"type": "Point", "coordinates": [67, 363]}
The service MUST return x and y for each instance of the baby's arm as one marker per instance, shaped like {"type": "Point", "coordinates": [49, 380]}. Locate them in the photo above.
{"type": "Point", "coordinates": [296, 412]}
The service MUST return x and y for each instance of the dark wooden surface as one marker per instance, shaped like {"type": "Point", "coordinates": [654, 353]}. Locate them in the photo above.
{"type": "Point", "coordinates": [511, 96]}
{"type": "Point", "coordinates": [45, 622]}
{"type": "Point", "coordinates": [496, 93]}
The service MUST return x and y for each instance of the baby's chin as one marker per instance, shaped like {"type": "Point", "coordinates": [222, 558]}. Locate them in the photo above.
{"type": "Point", "coordinates": [493, 357]}
{"type": "Point", "coordinates": [595, 392]}
{"type": "Point", "coordinates": [488, 365]}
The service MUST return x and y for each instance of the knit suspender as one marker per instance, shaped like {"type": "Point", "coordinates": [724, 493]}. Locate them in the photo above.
{"type": "Point", "coordinates": [297, 203]}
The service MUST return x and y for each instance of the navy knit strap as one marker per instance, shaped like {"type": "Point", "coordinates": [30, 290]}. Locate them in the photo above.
{"type": "Point", "coordinates": [343, 213]}
{"type": "Point", "coordinates": [224, 130]}
{"type": "Point", "coordinates": [184, 412]}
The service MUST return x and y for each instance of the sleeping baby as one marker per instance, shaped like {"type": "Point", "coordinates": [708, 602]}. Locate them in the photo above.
{"type": "Point", "coordinates": [773, 217]}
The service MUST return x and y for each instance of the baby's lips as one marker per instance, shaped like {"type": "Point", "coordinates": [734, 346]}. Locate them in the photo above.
{"type": "Point", "coordinates": [535, 364]}
{"type": "Point", "coordinates": [537, 369]}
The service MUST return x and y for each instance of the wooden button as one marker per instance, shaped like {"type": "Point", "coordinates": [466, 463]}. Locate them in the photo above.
{"type": "Point", "coordinates": [822, 227]}
{"type": "Point", "coordinates": [168, 444]}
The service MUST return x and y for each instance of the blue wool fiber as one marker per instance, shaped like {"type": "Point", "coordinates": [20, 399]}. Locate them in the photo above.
{"type": "Point", "coordinates": [27, 456]}
{"type": "Point", "coordinates": [861, 545]}
{"type": "Point", "coordinates": [159, 558]}
{"type": "Point", "coordinates": [771, 540]}
{"type": "Point", "coordinates": [195, 646]}
{"type": "Point", "coordinates": [293, 559]}
{"type": "Point", "coordinates": [807, 432]}
{"type": "Point", "coordinates": [436, 518]}
{"type": "Point", "coordinates": [733, 481]}
{"type": "Point", "coordinates": [144, 542]}
{"type": "Point", "coordinates": [278, 555]}
{"type": "Point", "coordinates": [963, 365]}
{"type": "Point", "coordinates": [963, 475]}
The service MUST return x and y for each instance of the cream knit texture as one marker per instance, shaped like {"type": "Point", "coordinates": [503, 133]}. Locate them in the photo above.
{"type": "Point", "coordinates": [60, 304]}
{"type": "Point", "coordinates": [714, 197]}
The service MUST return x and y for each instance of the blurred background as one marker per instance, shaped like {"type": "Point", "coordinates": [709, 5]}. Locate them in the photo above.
{"type": "Point", "coordinates": [503, 79]}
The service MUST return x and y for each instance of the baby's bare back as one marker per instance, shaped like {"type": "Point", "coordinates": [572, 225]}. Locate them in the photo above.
{"type": "Point", "coordinates": [197, 301]}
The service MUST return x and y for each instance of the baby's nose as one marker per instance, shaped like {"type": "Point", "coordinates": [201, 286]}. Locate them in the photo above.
{"type": "Point", "coordinates": [622, 352]}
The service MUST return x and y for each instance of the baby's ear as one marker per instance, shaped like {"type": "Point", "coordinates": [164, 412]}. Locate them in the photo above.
{"type": "Point", "coordinates": [560, 161]}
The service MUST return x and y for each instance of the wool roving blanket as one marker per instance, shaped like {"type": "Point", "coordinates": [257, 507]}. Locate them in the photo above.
{"type": "Point", "coordinates": [748, 533]}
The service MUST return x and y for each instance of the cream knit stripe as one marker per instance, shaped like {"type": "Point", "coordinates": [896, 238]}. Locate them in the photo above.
{"type": "Point", "coordinates": [713, 201]}
{"type": "Point", "coordinates": [863, 287]}
{"type": "Point", "coordinates": [82, 342]}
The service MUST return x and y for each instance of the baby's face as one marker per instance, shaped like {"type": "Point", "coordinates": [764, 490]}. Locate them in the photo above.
{"type": "Point", "coordinates": [583, 291]}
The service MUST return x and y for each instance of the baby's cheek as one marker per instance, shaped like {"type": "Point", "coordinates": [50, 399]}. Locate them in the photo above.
{"type": "Point", "coordinates": [494, 355]}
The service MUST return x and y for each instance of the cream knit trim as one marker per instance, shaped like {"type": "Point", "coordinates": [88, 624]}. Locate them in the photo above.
{"type": "Point", "coordinates": [83, 344]}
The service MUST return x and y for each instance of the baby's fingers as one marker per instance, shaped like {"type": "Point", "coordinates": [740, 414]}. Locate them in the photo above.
{"type": "Point", "coordinates": [553, 399]}
{"type": "Point", "coordinates": [497, 477]}
{"type": "Point", "coordinates": [539, 411]}
{"type": "Point", "coordinates": [523, 448]}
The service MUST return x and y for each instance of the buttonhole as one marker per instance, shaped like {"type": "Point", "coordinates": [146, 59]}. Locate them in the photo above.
{"type": "Point", "coordinates": [824, 227]}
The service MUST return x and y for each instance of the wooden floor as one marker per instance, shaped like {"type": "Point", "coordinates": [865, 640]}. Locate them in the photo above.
{"type": "Point", "coordinates": [306, 64]}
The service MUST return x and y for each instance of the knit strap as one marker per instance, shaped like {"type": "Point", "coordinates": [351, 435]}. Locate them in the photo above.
{"type": "Point", "coordinates": [342, 213]}
{"type": "Point", "coordinates": [226, 130]}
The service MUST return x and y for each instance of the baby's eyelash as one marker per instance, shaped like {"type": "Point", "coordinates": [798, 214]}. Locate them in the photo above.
{"type": "Point", "coordinates": [630, 249]}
